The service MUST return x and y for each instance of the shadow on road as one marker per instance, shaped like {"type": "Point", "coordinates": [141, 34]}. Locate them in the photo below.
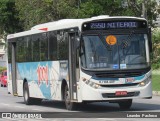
{"type": "Point", "coordinates": [101, 106]}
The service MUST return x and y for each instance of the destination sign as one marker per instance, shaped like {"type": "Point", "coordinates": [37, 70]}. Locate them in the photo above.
{"type": "Point", "coordinates": [113, 25]}
{"type": "Point", "coordinates": [104, 25]}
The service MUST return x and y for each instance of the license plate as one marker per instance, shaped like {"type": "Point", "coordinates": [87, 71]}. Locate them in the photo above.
{"type": "Point", "coordinates": [121, 93]}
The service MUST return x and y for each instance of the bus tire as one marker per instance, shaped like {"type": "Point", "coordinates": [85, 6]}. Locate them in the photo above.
{"type": "Point", "coordinates": [125, 104]}
{"type": "Point", "coordinates": [69, 105]}
{"type": "Point", "coordinates": [27, 99]}
{"type": "Point", "coordinates": [37, 101]}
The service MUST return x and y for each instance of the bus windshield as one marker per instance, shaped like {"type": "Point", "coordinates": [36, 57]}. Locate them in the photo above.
{"type": "Point", "coordinates": [128, 52]}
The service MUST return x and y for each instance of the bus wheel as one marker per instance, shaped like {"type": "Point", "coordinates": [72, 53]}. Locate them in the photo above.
{"type": "Point", "coordinates": [28, 100]}
{"type": "Point", "coordinates": [69, 105]}
{"type": "Point", "coordinates": [125, 104]}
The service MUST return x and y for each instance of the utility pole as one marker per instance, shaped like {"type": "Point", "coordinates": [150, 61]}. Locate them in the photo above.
{"type": "Point", "coordinates": [144, 13]}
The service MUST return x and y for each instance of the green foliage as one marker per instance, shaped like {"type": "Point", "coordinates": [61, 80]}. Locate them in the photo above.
{"type": "Point", "coordinates": [135, 8]}
{"type": "Point", "coordinates": [2, 69]}
{"type": "Point", "coordinates": [8, 17]}
{"type": "Point", "coordinates": [156, 48]}
{"type": "Point", "coordinates": [156, 82]}
{"type": "Point", "coordinates": [151, 11]}
{"type": "Point", "coordinates": [89, 9]}
{"type": "Point", "coordinates": [31, 12]}
{"type": "Point", "coordinates": [17, 14]}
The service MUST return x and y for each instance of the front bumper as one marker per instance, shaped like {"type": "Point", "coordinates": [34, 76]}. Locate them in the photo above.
{"type": "Point", "coordinates": [108, 93]}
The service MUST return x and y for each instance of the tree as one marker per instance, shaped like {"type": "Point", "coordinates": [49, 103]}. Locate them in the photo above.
{"type": "Point", "coordinates": [9, 23]}
{"type": "Point", "coordinates": [32, 12]}
{"type": "Point", "coordinates": [156, 48]}
{"type": "Point", "coordinates": [136, 6]}
{"type": "Point", "coordinates": [89, 9]}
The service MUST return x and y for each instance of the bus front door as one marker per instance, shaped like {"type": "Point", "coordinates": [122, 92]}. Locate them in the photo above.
{"type": "Point", "coordinates": [13, 69]}
{"type": "Point", "coordinates": [73, 65]}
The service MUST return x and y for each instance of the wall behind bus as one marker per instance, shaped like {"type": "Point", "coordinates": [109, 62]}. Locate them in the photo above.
{"type": "Point", "coordinates": [3, 60]}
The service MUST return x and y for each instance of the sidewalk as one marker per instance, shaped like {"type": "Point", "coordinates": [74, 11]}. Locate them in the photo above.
{"type": "Point", "coordinates": [156, 93]}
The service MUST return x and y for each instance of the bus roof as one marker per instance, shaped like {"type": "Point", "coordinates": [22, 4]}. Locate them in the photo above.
{"type": "Point", "coordinates": [64, 24]}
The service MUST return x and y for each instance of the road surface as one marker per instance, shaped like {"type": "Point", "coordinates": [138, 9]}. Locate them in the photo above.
{"type": "Point", "coordinates": [10, 103]}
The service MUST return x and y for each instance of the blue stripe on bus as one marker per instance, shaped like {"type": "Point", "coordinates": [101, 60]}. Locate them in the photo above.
{"type": "Point", "coordinates": [139, 77]}
{"type": "Point", "coordinates": [99, 79]}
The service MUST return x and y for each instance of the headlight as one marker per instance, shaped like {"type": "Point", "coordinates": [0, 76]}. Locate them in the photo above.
{"type": "Point", "coordinates": [90, 83]}
{"type": "Point", "coordinates": [145, 82]}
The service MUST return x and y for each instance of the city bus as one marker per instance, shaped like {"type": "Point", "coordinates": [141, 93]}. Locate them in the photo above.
{"type": "Point", "coordinates": [98, 59]}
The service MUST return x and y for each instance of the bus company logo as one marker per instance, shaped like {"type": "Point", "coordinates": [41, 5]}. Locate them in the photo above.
{"type": "Point", "coordinates": [130, 80]}
{"type": "Point", "coordinates": [42, 73]}
{"type": "Point", "coordinates": [6, 115]}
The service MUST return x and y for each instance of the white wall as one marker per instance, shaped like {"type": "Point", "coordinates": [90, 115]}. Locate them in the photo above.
{"type": "Point", "coordinates": [3, 60]}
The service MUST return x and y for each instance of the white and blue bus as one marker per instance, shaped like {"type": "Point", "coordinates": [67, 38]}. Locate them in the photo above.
{"type": "Point", "coordinates": [101, 58]}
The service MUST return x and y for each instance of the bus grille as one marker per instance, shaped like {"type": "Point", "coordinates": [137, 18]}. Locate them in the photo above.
{"type": "Point", "coordinates": [121, 85]}
{"type": "Point", "coordinates": [112, 95]}
{"type": "Point", "coordinates": [118, 75]}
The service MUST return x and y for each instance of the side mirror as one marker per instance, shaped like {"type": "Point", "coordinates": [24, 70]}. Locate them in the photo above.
{"type": "Point", "coordinates": [150, 39]}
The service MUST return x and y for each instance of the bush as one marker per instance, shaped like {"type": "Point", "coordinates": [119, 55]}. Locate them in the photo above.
{"type": "Point", "coordinates": [2, 69]}
{"type": "Point", "coordinates": [155, 56]}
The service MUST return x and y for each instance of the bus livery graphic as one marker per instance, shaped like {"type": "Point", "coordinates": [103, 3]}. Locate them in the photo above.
{"type": "Point", "coordinates": [42, 73]}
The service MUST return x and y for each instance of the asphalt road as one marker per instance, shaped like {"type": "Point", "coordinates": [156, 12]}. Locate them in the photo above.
{"type": "Point", "coordinates": [10, 103]}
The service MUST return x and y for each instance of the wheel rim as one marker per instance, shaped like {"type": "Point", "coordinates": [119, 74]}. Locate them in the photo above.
{"type": "Point", "coordinates": [25, 95]}
{"type": "Point", "coordinates": [67, 99]}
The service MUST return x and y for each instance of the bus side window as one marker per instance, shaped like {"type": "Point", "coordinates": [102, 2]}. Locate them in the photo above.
{"type": "Point", "coordinates": [21, 44]}
{"type": "Point", "coordinates": [9, 52]}
{"type": "Point", "coordinates": [29, 53]}
{"type": "Point", "coordinates": [62, 45]}
{"type": "Point", "coordinates": [36, 47]}
{"type": "Point", "coordinates": [43, 47]}
{"type": "Point", "coordinates": [52, 45]}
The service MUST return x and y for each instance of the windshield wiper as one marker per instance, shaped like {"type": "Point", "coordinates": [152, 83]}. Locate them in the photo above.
{"type": "Point", "coordinates": [125, 42]}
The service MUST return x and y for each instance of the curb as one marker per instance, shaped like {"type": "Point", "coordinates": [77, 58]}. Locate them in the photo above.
{"type": "Point", "coordinates": [156, 93]}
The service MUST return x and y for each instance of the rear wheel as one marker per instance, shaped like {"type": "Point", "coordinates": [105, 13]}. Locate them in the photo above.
{"type": "Point", "coordinates": [125, 104]}
{"type": "Point", "coordinates": [37, 101]}
{"type": "Point", "coordinates": [27, 99]}
{"type": "Point", "coordinates": [69, 105]}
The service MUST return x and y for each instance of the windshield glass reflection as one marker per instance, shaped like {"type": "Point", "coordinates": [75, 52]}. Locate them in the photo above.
{"type": "Point", "coordinates": [126, 53]}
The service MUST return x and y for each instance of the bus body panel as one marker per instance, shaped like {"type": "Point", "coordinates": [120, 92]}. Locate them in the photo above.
{"type": "Point", "coordinates": [44, 78]}
{"type": "Point", "coordinates": [20, 87]}
{"type": "Point", "coordinates": [9, 86]}
{"type": "Point", "coordinates": [90, 94]}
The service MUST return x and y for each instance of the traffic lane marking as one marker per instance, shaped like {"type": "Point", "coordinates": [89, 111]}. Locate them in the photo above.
{"type": "Point", "coordinates": [5, 104]}
{"type": "Point", "coordinates": [38, 110]}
